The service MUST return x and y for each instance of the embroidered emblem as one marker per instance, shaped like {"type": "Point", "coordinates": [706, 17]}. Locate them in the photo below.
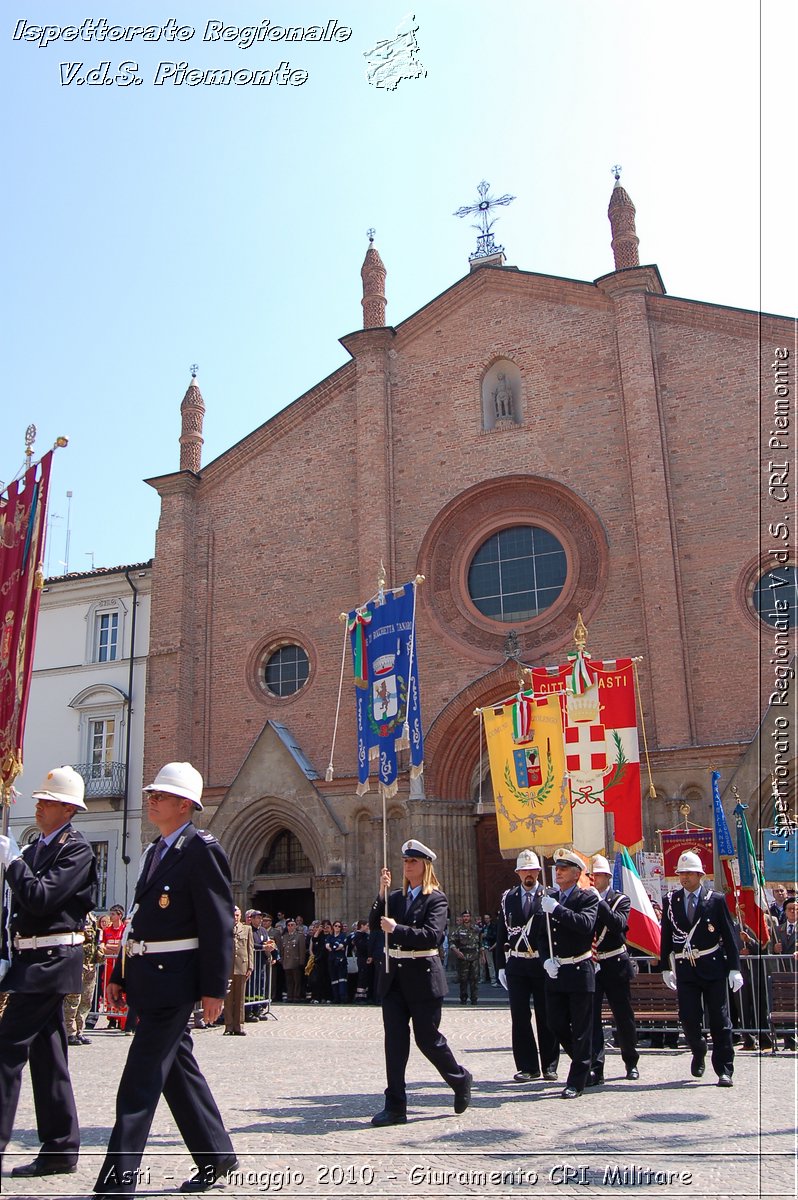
{"type": "Point", "coordinates": [163, 900]}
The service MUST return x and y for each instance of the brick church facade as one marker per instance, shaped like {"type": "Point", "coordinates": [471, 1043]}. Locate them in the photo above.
{"type": "Point", "coordinates": [619, 425]}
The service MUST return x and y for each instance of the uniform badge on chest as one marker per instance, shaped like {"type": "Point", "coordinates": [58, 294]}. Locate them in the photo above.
{"type": "Point", "coordinates": [163, 899]}
{"type": "Point", "coordinates": [711, 928]}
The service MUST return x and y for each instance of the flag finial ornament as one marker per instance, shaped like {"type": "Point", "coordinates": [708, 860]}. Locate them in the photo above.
{"type": "Point", "coordinates": [580, 633]}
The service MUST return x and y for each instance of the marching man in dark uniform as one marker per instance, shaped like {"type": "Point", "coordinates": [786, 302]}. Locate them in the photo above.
{"type": "Point", "coordinates": [614, 974]}
{"type": "Point", "coordinates": [52, 886]}
{"type": "Point", "coordinates": [177, 949]}
{"type": "Point", "coordinates": [521, 973]}
{"type": "Point", "coordinates": [698, 953]}
{"type": "Point", "coordinates": [564, 934]}
{"type": "Point", "coordinates": [412, 981]}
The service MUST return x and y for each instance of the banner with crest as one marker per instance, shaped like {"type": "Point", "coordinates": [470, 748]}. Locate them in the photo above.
{"type": "Point", "coordinates": [382, 640]}
{"type": "Point", "coordinates": [527, 767]}
{"type": "Point", "coordinates": [602, 754]}
{"type": "Point", "coordinates": [22, 526]}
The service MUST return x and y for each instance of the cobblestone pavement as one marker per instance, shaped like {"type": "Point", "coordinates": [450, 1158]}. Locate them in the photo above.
{"type": "Point", "coordinates": [298, 1094]}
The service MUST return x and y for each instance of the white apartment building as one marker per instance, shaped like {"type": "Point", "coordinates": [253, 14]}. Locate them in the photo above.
{"type": "Point", "coordinates": [87, 709]}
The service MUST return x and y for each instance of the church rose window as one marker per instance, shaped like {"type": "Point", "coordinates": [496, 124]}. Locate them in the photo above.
{"type": "Point", "coordinates": [286, 670]}
{"type": "Point", "coordinates": [517, 573]}
{"type": "Point", "coordinates": [775, 598]}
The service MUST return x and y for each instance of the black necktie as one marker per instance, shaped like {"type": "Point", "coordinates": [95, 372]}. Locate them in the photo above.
{"type": "Point", "coordinates": [527, 904]}
{"type": "Point", "coordinates": [409, 904]}
{"type": "Point", "coordinates": [155, 861]}
{"type": "Point", "coordinates": [691, 907]}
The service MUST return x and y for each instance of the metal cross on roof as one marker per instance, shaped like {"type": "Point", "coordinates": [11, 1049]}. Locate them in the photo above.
{"type": "Point", "coordinates": [194, 369]}
{"type": "Point", "coordinates": [485, 243]}
{"type": "Point", "coordinates": [370, 233]}
{"type": "Point", "coordinates": [616, 170]}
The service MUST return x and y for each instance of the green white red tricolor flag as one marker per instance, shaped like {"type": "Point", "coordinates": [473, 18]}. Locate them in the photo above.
{"type": "Point", "coordinates": [643, 930]}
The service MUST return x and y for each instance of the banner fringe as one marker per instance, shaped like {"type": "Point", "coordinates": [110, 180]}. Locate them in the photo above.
{"type": "Point", "coordinates": [417, 771]}
{"type": "Point", "coordinates": [389, 790]}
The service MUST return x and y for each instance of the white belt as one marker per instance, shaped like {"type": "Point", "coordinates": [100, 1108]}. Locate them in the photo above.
{"type": "Point", "coordinates": [48, 939]}
{"type": "Point", "coordinates": [577, 959]}
{"type": "Point", "coordinates": [133, 949]}
{"type": "Point", "coordinates": [413, 953]}
{"type": "Point", "coordinates": [693, 954]}
{"type": "Point", "coordinates": [610, 953]}
{"type": "Point", "coordinates": [522, 954]}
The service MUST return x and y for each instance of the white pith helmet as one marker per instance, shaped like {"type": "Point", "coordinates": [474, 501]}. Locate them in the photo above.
{"type": "Point", "coordinates": [600, 865]}
{"type": "Point", "coordinates": [179, 779]}
{"type": "Point", "coordinates": [689, 861]}
{"type": "Point", "coordinates": [64, 785]}
{"type": "Point", "coordinates": [527, 861]}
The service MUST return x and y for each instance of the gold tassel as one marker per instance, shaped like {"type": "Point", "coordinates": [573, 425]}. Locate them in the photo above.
{"type": "Point", "coordinates": [328, 778]}
{"type": "Point", "coordinates": [38, 578]}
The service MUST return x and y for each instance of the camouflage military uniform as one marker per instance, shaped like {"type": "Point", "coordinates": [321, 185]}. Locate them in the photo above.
{"type": "Point", "coordinates": [78, 1004]}
{"type": "Point", "coordinates": [466, 942]}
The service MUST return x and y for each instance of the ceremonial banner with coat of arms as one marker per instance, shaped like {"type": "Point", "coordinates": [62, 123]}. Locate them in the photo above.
{"type": "Point", "coordinates": [602, 754]}
{"type": "Point", "coordinates": [382, 637]}
{"type": "Point", "coordinates": [527, 767]}
{"type": "Point", "coordinates": [22, 527]}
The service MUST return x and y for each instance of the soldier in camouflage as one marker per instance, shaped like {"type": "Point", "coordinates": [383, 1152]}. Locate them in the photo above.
{"type": "Point", "coordinates": [78, 1004]}
{"type": "Point", "coordinates": [466, 946]}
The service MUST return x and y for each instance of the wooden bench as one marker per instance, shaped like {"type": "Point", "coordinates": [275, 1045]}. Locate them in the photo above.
{"type": "Point", "coordinates": [783, 1004]}
{"type": "Point", "coordinates": [653, 1003]}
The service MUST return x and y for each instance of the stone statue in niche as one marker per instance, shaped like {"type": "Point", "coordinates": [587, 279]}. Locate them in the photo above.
{"type": "Point", "coordinates": [503, 399]}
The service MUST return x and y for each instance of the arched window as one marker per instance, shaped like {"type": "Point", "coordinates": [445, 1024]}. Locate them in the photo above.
{"type": "Point", "coordinates": [286, 857]}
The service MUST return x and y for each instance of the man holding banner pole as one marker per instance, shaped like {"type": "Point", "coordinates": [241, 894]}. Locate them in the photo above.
{"type": "Point", "coordinates": [564, 932]}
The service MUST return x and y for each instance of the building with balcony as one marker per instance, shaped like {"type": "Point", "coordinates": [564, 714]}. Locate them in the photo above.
{"type": "Point", "coordinates": [87, 709]}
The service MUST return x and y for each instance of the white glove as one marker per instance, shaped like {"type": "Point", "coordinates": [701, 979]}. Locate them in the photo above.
{"type": "Point", "coordinates": [503, 979]}
{"type": "Point", "coordinates": [4, 965]}
{"type": "Point", "coordinates": [9, 850]}
{"type": "Point", "coordinates": [551, 967]}
{"type": "Point", "coordinates": [735, 980]}
{"type": "Point", "coordinates": [548, 904]}
{"type": "Point", "coordinates": [669, 979]}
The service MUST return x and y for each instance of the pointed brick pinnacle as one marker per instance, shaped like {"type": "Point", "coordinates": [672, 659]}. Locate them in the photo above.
{"type": "Point", "coordinates": [192, 412]}
{"type": "Point", "coordinates": [373, 274]}
{"type": "Point", "coordinates": [625, 241]}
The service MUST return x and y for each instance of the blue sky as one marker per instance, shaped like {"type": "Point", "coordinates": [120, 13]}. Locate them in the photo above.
{"type": "Point", "coordinates": [146, 228]}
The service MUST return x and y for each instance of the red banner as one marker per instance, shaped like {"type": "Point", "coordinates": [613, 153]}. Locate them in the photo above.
{"type": "Point", "coordinates": [22, 525]}
{"type": "Point", "coordinates": [603, 763]}
{"type": "Point", "coordinates": [676, 841]}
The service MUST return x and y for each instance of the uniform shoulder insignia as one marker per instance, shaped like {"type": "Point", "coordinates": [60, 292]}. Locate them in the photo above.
{"type": "Point", "coordinates": [206, 837]}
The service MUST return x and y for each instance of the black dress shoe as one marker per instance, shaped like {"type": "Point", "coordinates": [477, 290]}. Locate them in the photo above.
{"type": "Point", "coordinates": [74, 1040]}
{"type": "Point", "coordinates": [462, 1094]}
{"type": "Point", "coordinates": [632, 1073]}
{"type": "Point", "coordinates": [725, 1081]}
{"type": "Point", "coordinates": [697, 1065]}
{"type": "Point", "coordinates": [84, 1041]}
{"type": "Point", "coordinates": [239, 1033]}
{"type": "Point", "coordinates": [526, 1076]}
{"type": "Point", "coordinates": [595, 1079]}
{"type": "Point", "coordinates": [570, 1093]}
{"type": "Point", "coordinates": [389, 1117]}
{"type": "Point", "coordinates": [550, 1075]}
{"type": "Point", "coordinates": [51, 1164]}
{"type": "Point", "coordinates": [206, 1176]}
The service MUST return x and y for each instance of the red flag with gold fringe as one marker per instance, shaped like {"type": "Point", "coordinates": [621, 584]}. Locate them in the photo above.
{"type": "Point", "coordinates": [23, 510]}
